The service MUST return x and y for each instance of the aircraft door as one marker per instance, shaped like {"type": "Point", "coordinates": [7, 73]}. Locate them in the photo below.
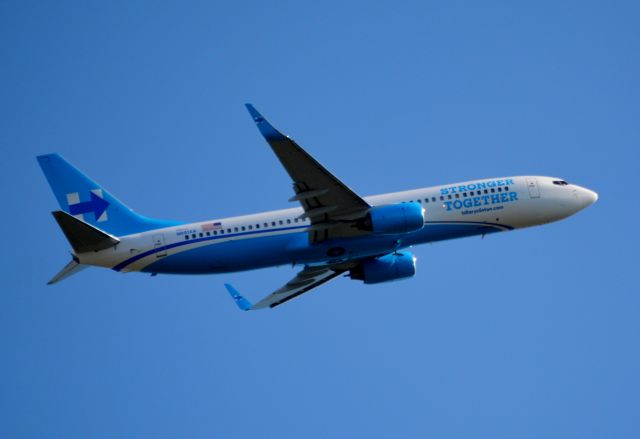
{"type": "Point", "coordinates": [532, 186]}
{"type": "Point", "coordinates": [159, 245]}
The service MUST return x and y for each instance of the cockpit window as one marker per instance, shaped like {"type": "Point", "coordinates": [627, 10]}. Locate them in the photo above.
{"type": "Point", "coordinates": [560, 182]}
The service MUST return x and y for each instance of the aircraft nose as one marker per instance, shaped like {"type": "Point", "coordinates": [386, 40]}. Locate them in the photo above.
{"type": "Point", "coordinates": [587, 197]}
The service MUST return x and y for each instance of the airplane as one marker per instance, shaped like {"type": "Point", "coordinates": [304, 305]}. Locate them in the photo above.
{"type": "Point", "coordinates": [334, 232]}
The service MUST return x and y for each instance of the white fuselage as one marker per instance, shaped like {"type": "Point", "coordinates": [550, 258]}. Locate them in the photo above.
{"type": "Point", "coordinates": [280, 237]}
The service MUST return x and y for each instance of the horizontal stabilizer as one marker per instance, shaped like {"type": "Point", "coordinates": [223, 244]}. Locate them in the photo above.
{"type": "Point", "coordinates": [70, 269]}
{"type": "Point", "coordinates": [83, 237]}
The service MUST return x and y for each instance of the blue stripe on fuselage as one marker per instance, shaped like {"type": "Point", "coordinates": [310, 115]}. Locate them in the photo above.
{"type": "Point", "coordinates": [265, 249]}
{"type": "Point", "coordinates": [139, 256]}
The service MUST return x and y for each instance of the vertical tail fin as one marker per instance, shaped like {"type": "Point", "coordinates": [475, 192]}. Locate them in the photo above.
{"type": "Point", "coordinates": [83, 198]}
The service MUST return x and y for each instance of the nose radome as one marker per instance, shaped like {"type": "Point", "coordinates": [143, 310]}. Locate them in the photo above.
{"type": "Point", "coordinates": [588, 197]}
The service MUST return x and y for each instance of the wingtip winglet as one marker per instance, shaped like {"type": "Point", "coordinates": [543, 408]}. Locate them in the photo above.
{"type": "Point", "coordinates": [256, 116]}
{"type": "Point", "coordinates": [266, 129]}
{"type": "Point", "coordinates": [252, 111]}
{"type": "Point", "coordinates": [242, 303]}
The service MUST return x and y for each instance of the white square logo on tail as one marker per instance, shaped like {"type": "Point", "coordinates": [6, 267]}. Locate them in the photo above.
{"type": "Point", "coordinates": [74, 198]}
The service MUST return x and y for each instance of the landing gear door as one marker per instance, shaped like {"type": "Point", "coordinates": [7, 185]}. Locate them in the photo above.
{"type": "Point", "coordinates": [532, 186]}
{"type": "Point", "coordinates": [159, 245]}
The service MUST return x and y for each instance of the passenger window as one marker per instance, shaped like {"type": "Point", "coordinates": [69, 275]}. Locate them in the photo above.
{"type": "Point", "coordinates": [288, 221]}
{"type": "Point", "coordinates": [506, 188]}
{"type": "Point", "coordinates": [486, 191]}
{"type": "Point", "coordinates": [433, 199]}
{"type": "Point", "coordinates": [426, 200]}
{"type": "Point", "coordinates": [250, 227]}
{"type": "Point", "coordinates": [281, 223]}
{"type": "Point", "coordinates": [471, 193]}
{"type": "Point", "coordinates": [493, 191]}
{"type": "Point", "coordinates": [208, 233]}
{"type": "Point", "coordinates": [449, 196]}
{"type": "Point", "coordinates": [457, 195]}
{"type": "Point", "coordinates": [464, 194]}
{"type": "Point", "coordinates": [215, 233]}
{"type": "Point", "coordinates": [499, 189]}
{"type": "Point", "coordinates": [193, 236]}
{"type": "Point", "coordinates": [186, 237]}
{"type": "Point", "coordinates": [441, 198]}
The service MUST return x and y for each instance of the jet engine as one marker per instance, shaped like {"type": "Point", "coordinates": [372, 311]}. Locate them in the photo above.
{"type": "Point", "coordinates": [394, 219]}
{"type": "Point", "coordinates": [385, 268]}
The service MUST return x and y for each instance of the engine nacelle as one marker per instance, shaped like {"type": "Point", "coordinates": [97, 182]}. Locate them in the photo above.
{"type": "Point", "coordinates": [394, 219]}
{"type": "Point", "coordinates": [385, 268]}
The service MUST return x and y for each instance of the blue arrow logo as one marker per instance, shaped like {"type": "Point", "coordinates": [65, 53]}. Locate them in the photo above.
{"type": "Point", "coordinates": [96, 205]}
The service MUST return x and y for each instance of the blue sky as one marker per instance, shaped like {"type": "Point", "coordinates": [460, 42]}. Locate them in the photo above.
{"type": "Point", "coordinates": [526, 334]}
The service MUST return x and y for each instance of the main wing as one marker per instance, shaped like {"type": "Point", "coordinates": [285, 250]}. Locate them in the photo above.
{"type": "Point", "coordinates": [328, 203]}
{"type": "Point", "coordinates": [307, 279]}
